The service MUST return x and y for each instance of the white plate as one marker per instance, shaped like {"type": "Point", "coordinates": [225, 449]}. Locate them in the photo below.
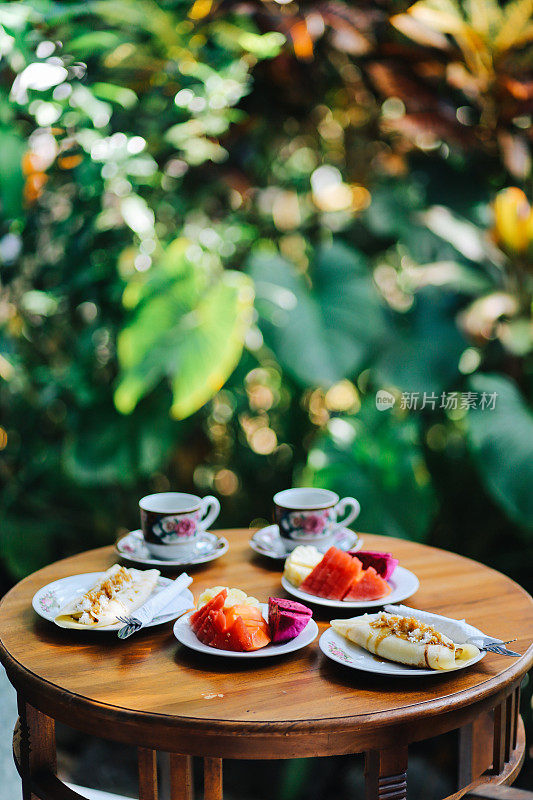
{"type": "Point", "coordinates": [267, 542]}
{"type": "Point", "coordinates": [206, 547]}
{"type": "Point", "coordinates": [48, 600]}
{"type": "Point", "coordinates": [184, 634]}
{"type": "Point", "coordinates": [339, 649]}
{"type": "Point", "coordinates": [403, 582]}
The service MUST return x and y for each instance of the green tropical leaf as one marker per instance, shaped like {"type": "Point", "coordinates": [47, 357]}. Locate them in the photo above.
{"type": "Point", "coordinates": [423, 352]}
{"type": "Point", "coordinates": [376, 456]}
{"type": "Point", "coordinates": [324, 333]}
{"type": "Point", "coordinates": [500, 440]}
{"type": "Point", "coordinates": [185, 329]}
{"type": "Point", "coordinates": [115, 94]}
{"type": "Point", "coordinates": [91, 42]}
{"type": "Point", "coordinates": [109, 448]}
{"type": "Point", "coordinates": [212, 344]}
{"type": "Point", "coordinates": [22, 551]}
{"type": "Point", "coordinates": [12, 148]}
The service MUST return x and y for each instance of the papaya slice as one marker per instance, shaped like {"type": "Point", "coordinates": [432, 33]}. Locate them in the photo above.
{"type": "Point", "coordinates": [253, 622]}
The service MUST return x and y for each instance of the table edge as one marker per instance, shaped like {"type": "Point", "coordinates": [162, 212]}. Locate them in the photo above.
{"type": "Point", "coordinates": [31, 682]}
{"type": "Point", "coordinates": [34, 683]}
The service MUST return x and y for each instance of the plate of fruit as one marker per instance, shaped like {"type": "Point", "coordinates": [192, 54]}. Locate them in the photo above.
{"type": "Point", "coordinates": [343, 580]}
{"type": "Point", "coordinates": [227, 622]}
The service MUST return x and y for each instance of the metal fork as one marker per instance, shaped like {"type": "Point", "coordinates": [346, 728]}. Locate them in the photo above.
{"type": "Point", "coordinates": [131, 626]}
{"type": "Point", "coordinates": [493, 646]}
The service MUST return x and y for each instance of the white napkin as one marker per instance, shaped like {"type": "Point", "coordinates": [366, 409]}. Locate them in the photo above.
{"type": "Point", "coordinates": [458, 630]}
{"type": "Point", "coordinates": [166, 597]}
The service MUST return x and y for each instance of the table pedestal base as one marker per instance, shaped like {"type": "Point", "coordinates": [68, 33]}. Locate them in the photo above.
{"type": "Point", "coordinates": [487, 755]}
{"type": "Point", "coordinates": [386, 774]}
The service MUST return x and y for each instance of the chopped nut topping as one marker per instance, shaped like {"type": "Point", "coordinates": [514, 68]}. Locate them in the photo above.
{"type": "Point", "coordinates": [94, 602]}
{"type": "Point", "coordinates": [411, 629]}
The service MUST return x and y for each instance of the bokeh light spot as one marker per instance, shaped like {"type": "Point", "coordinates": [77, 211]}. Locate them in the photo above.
{"type": "Point", "coordinates": [226, 482]}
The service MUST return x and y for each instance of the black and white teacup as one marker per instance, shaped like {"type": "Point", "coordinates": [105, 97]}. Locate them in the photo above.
{"type": "Point", "coordinates": [172, 521]}
{"type": "Point", "coordinates": [310, 516]}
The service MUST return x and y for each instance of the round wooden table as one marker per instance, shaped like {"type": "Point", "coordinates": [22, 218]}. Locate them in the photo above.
{"type": "Point", "coordinates": [152, 692]}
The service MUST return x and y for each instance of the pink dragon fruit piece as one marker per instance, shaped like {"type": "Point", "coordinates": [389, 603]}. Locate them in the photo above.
{"type": "Point", "coordinates": [383, 563]}
{"type": "Point", "coordinates": [286, 618]}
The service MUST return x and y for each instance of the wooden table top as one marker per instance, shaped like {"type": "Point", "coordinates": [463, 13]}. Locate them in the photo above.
{"type": "Point", "coordinates": [300, 704]}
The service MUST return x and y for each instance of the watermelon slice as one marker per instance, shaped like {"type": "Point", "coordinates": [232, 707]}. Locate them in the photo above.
{"type": "Point", "coordinates": [286, 618]}
{"type": "Point", "coordinates": [383, 563]}
{"type": "Point", "coordinates": [319, 574]}
{"type": "Point", "coordinates": [213, 630]}
{"type": "Point", "coordinates": [332, 577]}
{"type": "Point", "coordinates": [197, 619]}
{"type": "Point", "coordinates": [368, 586]}
{"type": "Point", "coordinates": [238, 637]}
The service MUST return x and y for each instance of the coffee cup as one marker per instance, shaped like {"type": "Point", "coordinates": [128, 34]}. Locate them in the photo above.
{"type": "Point", "coordinates": [171, 522]}
{"type": "Point", "coordinates": [310, 516]}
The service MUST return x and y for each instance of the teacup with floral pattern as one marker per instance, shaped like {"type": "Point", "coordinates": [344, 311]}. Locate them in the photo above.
{"type": "Point", "coordinates": [172, 521]}
{"type": "Point", "coordinates": [309, 516]}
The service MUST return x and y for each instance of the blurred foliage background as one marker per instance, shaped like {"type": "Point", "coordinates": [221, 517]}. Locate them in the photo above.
{"type": "Point", "coordinates": [225, 225]}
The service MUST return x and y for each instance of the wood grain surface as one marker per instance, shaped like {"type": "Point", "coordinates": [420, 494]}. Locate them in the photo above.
{"type": "Point", "coordinates": [299, 705]}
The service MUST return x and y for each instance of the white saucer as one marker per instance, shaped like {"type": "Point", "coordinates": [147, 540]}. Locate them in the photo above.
{"type": "Point", "coordinates": [206, 547]}
{"type": "Point", "coordinates": [349, 654]}
{"type": "Point", "coordinates": [185, 634]}
{"type": "Point", "coordinates": [403, 582]}
{"type": "Point", "coordinates": [267, 542]}
{"type": "Point", "coordinates": [51, 598]}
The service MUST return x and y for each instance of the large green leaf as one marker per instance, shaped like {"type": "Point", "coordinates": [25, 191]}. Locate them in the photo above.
{"type": "Point", "coordinates": [376, 456]}
{"type": "Point", "coordinates": [212, 343]}
{"type": "Point", "coordinates": [12, 148]}
{"type": "Point", "coordinates": [422, 354]}
{"type": "Point", "coordinates": [501, 442]}
{"type": "Point", "coordinates": [109, 448]}
{"type": "Point", "coordinates": [324, 332]}
{"type": "Point", "coordinates": [23, 550]}
{"type": "Point", "coordinates": [186, 329]}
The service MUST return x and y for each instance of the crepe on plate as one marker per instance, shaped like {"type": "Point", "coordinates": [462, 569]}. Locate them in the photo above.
{"type": "Point", "coordinates": [405, 640]}
{"type": "Point", "coordinates": [118, 592]}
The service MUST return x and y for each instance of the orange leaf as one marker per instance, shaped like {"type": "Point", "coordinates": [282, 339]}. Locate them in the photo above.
{"type": "Point", "coordinates": [69, 162]}
{"type": "Point", "coordinates": [33, 188]}
{"type": "Point", "coordinates": [301, 40]}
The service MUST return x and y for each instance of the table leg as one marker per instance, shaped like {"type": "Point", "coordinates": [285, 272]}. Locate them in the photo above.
{"type": "Point", "coordinates": [37, 745]}
{"type": "Point", "coordinates": [509, 714]}
{"type": "Point", "coordinates": [181, 777]}
{"type": "Point", "coordinates": [501, 723]}
{"type": "Point", "coordinates": [386, 774]}
{"type": "Point", "coordinates": [475, 749]}
{"type": "Point", "coordinates": [212, 779]}
{"type": "Point", "coordinates": [147, 774]}
{"type": "Point", "coordinates": [516, 717]}
{"type": "Point", "coordinates": [505, 730]}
